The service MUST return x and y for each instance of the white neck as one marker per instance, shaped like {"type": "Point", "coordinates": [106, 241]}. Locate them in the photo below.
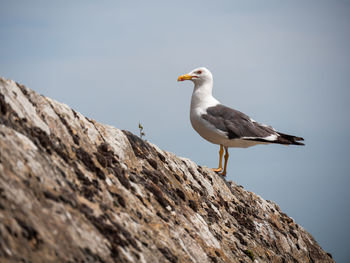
{"type": "Point", "coordinates": [202, 95]}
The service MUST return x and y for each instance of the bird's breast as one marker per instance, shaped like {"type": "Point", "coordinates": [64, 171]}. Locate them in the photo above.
{"type": "Point", "coordinates": [206, 130]}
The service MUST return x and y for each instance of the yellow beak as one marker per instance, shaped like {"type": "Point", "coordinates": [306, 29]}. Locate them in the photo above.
{"type": "Point", "coordinates": [184, 77]}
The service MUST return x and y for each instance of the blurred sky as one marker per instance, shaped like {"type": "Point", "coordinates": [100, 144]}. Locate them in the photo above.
{"type": "Point", "coordinates": [284, 63]}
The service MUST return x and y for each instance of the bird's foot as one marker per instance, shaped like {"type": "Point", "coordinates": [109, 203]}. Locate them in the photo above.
{"type": "Point", "coordinates": [216, 170]}
{"type": "Point", "coordinates": [223, 174]}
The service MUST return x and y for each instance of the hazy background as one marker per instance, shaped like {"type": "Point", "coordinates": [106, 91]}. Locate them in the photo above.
{"type": "Point", "coordinates": [283, 63]}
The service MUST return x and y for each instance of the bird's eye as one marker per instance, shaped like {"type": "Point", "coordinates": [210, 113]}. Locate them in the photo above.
{"type": "Point", "coordinates": [199, 72]}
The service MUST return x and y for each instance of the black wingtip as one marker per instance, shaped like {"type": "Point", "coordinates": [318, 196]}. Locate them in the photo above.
{"type": "Point", "coordinates": [290, 139]}
{"type": "Point", "coordinates": [285, 139]}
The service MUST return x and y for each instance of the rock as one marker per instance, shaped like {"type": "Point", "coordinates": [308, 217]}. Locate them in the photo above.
{"type": "Point", "coordinates": [75, 190]}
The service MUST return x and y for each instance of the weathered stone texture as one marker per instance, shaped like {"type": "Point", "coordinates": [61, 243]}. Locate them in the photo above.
{"type": "Point", "coordinates": [75, 190]}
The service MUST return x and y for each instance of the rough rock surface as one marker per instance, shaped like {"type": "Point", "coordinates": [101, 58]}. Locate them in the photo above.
{"type": "Point", "coordinates": [75, 190]}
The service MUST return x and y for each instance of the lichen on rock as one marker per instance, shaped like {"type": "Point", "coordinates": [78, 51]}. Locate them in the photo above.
{"type": "Point", "coordinates": [75, 190]}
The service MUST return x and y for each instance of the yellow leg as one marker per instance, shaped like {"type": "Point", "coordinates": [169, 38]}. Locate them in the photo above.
{"type": "Point", "coordinates": [221, 152]}
{"type": "Point", "coordinates": [226, 158]}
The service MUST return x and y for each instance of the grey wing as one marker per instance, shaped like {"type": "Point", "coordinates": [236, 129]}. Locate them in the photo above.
{"type": "Point", "coordinates": [238, 125]}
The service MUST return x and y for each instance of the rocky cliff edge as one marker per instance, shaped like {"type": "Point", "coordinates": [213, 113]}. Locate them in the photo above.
{"type": "Point", "coordinates": [75, 190]}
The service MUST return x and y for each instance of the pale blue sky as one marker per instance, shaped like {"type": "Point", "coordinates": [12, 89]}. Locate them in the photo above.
{"type": "Point", "coordinates": [283, 63]}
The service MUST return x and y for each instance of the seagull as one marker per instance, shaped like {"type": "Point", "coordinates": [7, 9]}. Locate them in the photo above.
{"type": "Point", "coordinates": [224, 126]}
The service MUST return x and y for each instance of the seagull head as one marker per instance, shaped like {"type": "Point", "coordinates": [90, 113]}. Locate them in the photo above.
{"type": "Point", "coordinates": [197, 76]}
